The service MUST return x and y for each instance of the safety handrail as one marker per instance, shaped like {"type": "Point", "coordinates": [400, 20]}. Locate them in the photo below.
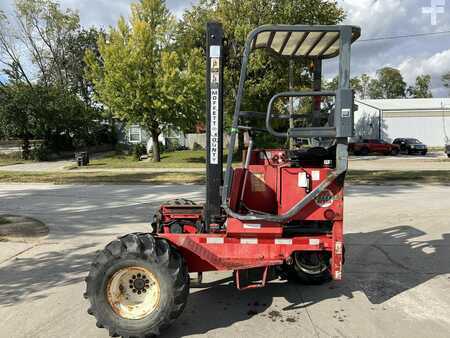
{"type": "Point", "coordinates": [327, 131]}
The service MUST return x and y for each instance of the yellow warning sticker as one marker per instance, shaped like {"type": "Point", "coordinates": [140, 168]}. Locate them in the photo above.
{"type": "Point", "coordinates": [257, 182]}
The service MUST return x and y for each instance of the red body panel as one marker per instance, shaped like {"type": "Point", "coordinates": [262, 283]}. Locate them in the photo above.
{"type": "Point", "coordinates": [290, 193]}
{"type": "Point", "coordinates": [206, 252]}
{"type": "Point", "coordinates": [272, 185]}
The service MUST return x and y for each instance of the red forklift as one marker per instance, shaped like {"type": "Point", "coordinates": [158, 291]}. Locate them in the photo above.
{"type": "Point", "coordinates": [278, 215]}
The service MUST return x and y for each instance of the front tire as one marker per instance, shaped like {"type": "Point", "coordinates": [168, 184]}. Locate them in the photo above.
{"type": "Point", "coordinates": [394, 152]}
{"type": "Point", "coordinates": [137, 286]}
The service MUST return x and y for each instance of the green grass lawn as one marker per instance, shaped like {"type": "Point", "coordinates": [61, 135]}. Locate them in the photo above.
{"type": "Point", "coordinates": [10, 159]}
{"type": "Point", "coordinates": [388, 176]}
{"type": "Point", "coordinates": [354, 176]}
{"type": "Point", "coordinates": [175, 159]}
{"type": "Point", "coordinates": [100, 177]}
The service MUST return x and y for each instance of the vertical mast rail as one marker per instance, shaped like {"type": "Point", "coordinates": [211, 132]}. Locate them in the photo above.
{"type": "Point", "coordinates": [214, 121]}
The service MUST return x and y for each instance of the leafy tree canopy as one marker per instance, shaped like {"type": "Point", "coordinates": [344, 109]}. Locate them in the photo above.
{"type": "Point", "coordinates": [421, 88]}
{"type": "Point", "coordinates": [141, 78]}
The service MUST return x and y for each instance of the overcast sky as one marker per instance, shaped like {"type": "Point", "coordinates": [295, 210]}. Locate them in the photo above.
{"type": "Point", "coordinates": [377, 18]}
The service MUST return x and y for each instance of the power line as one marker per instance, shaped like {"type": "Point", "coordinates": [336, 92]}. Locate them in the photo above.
{"type": "Point", "coordinates": [393, 37]}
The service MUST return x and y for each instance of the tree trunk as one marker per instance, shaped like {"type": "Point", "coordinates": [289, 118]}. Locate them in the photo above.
{"type": "Point", "coordinates": [155, 146]}
{"type": "Point", "coordinates": [26, 148]}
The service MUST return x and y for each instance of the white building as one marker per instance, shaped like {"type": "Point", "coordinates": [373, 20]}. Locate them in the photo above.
{"type": "Point", "coordinates": [425, 119]}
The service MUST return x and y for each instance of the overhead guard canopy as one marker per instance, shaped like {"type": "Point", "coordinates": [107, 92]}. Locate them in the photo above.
{"type": "Point", "coordinates": [301, 41]}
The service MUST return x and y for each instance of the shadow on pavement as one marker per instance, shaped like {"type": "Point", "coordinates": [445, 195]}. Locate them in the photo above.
{"type": "Point", "coordinates": [35, 277]}
{"type": "Point", "coordinates": [380, 264]}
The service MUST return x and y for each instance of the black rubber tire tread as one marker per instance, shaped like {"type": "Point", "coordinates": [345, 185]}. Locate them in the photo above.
{"type": "Point", "coordinates": [138, 249]}
{"type": "Point", "coordinates": [294, 273]}
{"type": "Point", "coordinates": [180, 201]}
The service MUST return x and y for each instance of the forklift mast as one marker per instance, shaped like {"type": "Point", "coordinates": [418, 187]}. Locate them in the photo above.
{"type": "Point", "coordinates": [214, 122]}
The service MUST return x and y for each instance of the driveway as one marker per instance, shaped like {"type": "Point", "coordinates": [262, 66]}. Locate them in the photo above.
{"type": "Point", "coordinates": [37, 166]}
{"type": "Point", "coordinates": [396, 279]}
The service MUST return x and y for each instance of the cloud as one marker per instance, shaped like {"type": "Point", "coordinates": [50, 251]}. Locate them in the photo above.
{"type": "Point", "coordinates": [413, 56]}
{"type": "Point", "coordinates": [377, 18]}
{"type": "Point", "coordinates": [434, 65]}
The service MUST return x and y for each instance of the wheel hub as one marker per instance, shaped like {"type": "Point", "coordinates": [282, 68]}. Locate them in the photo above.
{"type": "Point", "coordinates": [133, 292]}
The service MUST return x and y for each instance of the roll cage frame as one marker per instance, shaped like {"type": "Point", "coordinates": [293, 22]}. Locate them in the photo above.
{"type": "Point", "coordinates": [342, 126]}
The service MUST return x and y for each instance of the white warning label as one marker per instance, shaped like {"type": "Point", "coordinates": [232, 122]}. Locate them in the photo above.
{"type": "Point", "coordinates": [214, 110]}
{"type": "Point", "coordinates": [214, 125]}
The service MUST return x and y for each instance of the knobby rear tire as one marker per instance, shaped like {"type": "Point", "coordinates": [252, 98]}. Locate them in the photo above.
{"type": "Point", "coordinates": [153, 254]}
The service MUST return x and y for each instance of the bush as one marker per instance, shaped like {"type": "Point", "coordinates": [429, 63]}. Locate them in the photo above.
{"type": "Point", "coordinates": [139, 150]}
{"type": "Point", "coordinates": [122, 148]}
{"type": "Point", "coordinates": [197, 146]}
{"type": "Point", "coordinates": [40, 152]}
{"type": "Point", "coordinates": [171, 144]}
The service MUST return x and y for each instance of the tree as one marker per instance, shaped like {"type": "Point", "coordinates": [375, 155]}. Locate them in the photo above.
{"type": "Point", "coordinates": [41, 54]}
{"type": "Point", "coordinates": [140, 78]}
{"type": "Point", "coordinates": [375, 90]}
{"type": "Point", "coordinates": [365, 83]}
{"type": "Point", "coordinates": [44, 30]}
{"type": "Point", "coordinates": [421, 88]}
{"type": "Point", "coordinates": [19, 113]}
{"type": "Point", "coordinates": [266, 75]}
{"type": "Point", "coordinates": [389, 84]}
{"type": "Point", "coordinates": [76, 46]}
{"type": "Point", "coordinates": [446, 80]}
{"type": "Point", "coordinates": [53, 114]}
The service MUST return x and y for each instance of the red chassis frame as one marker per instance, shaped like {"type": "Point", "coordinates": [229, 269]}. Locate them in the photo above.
{"type": "Point", "coordinates": [268, 185]}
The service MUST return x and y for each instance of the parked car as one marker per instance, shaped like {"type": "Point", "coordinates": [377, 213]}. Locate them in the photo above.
{"type": "Point", "coordinates": [447, 149]}
{"type": "Point", "coordinates": [411, 146]}
{"type": "Point", "coordinates": [374, 146]}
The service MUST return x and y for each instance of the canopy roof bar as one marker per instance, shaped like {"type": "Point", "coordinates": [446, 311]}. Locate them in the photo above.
{"type": "Point", "coordinates": [300, 41]}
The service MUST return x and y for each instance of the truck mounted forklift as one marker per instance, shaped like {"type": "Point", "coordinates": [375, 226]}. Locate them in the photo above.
{"type": "Point", "coordinates": [279, 214]}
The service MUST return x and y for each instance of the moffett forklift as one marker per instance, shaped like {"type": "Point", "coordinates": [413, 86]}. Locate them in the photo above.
{"type": "Point", "coordinates": [280, 214]}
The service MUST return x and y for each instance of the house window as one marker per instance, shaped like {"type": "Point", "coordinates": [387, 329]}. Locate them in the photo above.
{"type": "Point", "coordinates": [135, 134]}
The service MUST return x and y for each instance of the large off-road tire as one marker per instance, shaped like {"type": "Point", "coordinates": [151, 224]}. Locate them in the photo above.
{"type": "Point", "coordinates": [137, 286]}
{"type": "Point", "coordinates": [309, 267]}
